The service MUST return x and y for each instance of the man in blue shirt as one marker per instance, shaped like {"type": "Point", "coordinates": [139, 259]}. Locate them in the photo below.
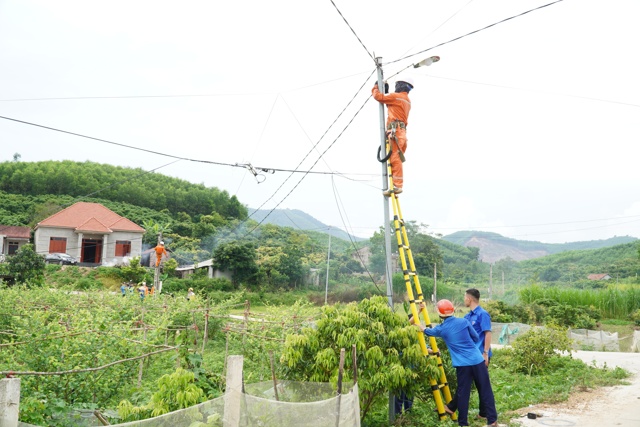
{"type": "Point", "coordinates": [481, 322]}
{"type": "Point", "coordinates": [461, 338]}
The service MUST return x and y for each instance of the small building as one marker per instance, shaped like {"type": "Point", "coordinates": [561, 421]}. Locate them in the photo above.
{"type": "Point", "coordinates": [187, 270]}
{"type": "Point", "coordinates": [90, 232]}
{"type": "Point", "coordinates": [603, 276]}
{"type": "Point", "coordinates": [12, 237]}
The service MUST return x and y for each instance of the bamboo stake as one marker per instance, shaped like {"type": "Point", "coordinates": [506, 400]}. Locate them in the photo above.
{"type": "Point", "coordinates": [206, 328]}
{"type": "Point", "coordinates": [273, 375]}
{"type": "Point", "coordinates": [355, 364]}
{"type": "Point", "coordinates": [340, 372]}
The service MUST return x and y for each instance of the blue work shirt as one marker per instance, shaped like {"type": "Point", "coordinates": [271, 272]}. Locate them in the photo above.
{"type": "Point", "coordinates": [481, 322]}
{"type": "Point", "coordinates": [461, 339]}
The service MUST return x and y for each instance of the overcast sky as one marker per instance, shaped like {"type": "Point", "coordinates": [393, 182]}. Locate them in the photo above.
{"type": "Point", "coordinates": [529, 128]}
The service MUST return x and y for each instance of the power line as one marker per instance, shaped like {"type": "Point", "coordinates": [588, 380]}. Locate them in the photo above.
{"type": "Point", "coordinates": [475, 31]}
{"type": "Point", "coordinates": [539, 91]}
{"type": "Point", "coordinates": [352, 30]}
{"type": "Point", "coordinates": [338, 204]}
{"type": "Point", "coordinates": [237, 165]}
{"type": "Point", "coordinates": [312, 166]}
{"type": "Point", "coordinates": [315, 145]}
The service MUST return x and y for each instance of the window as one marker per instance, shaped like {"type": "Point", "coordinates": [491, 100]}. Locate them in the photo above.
{"type": "Point", "coordinates": [12, 247]}
{"type": "Point", "coordinates": [57, 244]}
{"type": "Point", "coordinates": [123, 247]}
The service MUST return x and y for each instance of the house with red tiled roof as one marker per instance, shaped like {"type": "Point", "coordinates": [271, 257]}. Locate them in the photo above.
{"type": "Point", "coordinates": [90, 232]}
{"type": "Point", "coordinates": [12, 237]}
{"type": "Point", "coordinates": [601, 276]}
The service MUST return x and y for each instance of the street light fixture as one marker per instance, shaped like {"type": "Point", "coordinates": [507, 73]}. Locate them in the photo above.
{"type": "Point", "coordinates": [426, 62]}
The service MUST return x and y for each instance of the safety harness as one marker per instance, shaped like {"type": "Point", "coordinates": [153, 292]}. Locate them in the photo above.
{"type": "Point", "coordinates": [391, 135]}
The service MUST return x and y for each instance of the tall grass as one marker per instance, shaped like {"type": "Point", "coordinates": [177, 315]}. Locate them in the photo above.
{"type": "Point", "coordinates": [613, 302]}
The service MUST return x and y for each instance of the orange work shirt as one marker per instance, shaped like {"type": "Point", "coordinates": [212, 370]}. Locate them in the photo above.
{"type": "Point", "coordinates": [398, 105]}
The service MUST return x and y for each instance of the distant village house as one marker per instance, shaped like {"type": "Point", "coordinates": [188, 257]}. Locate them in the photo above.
{"type": "Point", "coordinates": [187, 270]}
{"type": "Point", "coordinates": [599, 277]}
{"type": "Point", "coordinates": [91, 233]}
{"type": "Point", "coordinates": [12, 238]}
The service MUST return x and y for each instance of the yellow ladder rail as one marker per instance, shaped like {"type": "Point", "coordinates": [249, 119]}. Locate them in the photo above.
{"type": "Point", "coordinates": [404, 250]}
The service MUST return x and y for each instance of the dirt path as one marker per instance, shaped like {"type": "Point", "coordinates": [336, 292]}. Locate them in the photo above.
{"type": "Point", "coordinates": [617, 406]}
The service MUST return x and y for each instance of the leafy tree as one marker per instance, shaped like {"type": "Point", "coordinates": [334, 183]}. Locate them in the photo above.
{"type": "Point", "coordinates": [239, 258]}
{"type": "Point", "coordinates": [389, 357]}
{"type": "Point", "coordinates": [26, 266]}
{"type": "Point", "coordinates": [550, 274]}
{"type": "Point", "coordinates": [175, 391]}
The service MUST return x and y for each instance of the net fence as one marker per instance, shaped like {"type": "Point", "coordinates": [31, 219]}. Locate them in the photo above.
{"type": "Point", "coordinates": [583, 339]}
{"type": "Point", "coordinates": [303, 404]}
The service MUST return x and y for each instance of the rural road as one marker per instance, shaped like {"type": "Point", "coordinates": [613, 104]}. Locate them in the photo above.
{"type": "Point", "coordinates": [617, 406]}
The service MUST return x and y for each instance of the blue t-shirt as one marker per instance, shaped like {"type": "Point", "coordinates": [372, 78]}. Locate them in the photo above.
{"type": "Point", "coordinates": [481, 322]}
{"type": "Point", "coordinates": [461, 339]}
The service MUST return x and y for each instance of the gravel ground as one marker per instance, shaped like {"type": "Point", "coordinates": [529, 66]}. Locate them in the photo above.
{"type": "Point", "coordinates": [617, 406]}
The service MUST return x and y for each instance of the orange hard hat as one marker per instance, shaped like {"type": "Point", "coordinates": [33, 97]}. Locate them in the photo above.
{"type": "Point", "coordinates": [445, 308]}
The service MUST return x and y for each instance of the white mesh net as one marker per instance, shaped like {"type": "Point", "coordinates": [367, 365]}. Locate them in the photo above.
{"type": "Point", "coordinates": [595, 340]}
{"type": "Point", "coordinates": [300, 404]}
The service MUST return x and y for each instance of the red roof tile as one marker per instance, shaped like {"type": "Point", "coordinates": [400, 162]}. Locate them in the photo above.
{"type": "Point", "coordinates": [15, 232]}
{"type": "Point", "coordinates": [93, 224]}
{"type": "Point", "coordinates": [90, 217]}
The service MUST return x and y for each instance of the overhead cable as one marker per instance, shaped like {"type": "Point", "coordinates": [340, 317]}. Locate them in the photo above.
{"type": "Point", "coordinates": [312, 166]}
{"type": "Point", "coordinates": [352, 30]}
{"type": "Point", "coordinates": [316, 144]}
{"type": "Point", "coordinates": [473, 32]}
{"type": "Point", "coordinates": [237, 165]}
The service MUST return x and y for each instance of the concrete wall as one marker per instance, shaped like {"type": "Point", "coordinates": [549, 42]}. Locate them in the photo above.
{"type": "Point", "coordinates": [43, 235]}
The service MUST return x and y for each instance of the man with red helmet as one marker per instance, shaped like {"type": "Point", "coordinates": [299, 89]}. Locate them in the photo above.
{"type": "Point", "coordinates": [461, 338]}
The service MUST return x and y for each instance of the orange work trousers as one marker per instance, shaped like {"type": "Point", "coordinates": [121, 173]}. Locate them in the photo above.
{"type": "Point", "coordinates": [396, 162]}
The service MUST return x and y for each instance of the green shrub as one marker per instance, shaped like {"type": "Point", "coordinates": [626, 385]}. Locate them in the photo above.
{"type": "Point", "coordinates": [533, 351]}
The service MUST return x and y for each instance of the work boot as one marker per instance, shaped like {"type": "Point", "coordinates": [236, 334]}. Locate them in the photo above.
{"type": "Point", "coordinates": [394, 190]}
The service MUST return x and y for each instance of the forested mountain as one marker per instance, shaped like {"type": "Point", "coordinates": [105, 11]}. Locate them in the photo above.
{"type": "Point", "coordinates": [618, 261]}
{"type": "Point", "coordinates": [493, 247]}
{"type": "Point", "coordinates": [138, 187]}
{"type": "Point", "coordinates": [299, 220]}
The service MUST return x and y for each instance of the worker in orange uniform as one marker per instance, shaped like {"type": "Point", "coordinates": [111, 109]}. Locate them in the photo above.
{"type": "Point", "coordinates": [398, 106]}
{"type": "Point", "coordinates": [160, 251]}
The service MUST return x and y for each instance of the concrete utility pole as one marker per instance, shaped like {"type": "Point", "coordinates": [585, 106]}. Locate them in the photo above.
{"type": "Point", "coordinates": [385, 183]}
{"type": "Point", "coordinates": [156, 272]}
{"type": "Point", "coordinates": [490, 281]}
{"type": "Point", "coordinates": [387, 222]}
{"type": "Point", "coordinates": [326, 286]}
{"type": "Point", "coordinates": [435, 283]}
{"type": "Point", "coordinates": [385, 201]}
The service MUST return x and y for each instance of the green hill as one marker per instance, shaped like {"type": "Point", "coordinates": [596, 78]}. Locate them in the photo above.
{"type": "Point", "coordinates": [493, 247]}
{"type": "Point", "coordinates": [299, 220]}
{"type": "Point", "coordinates": [81, 180]}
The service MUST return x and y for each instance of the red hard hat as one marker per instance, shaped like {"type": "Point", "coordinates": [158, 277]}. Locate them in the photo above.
{"type": "Point", "coordinates": [445, 308]}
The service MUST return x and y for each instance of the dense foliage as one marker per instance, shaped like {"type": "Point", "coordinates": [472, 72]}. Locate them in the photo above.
{"type": "Point", "coordinates": [134, 186]}
{"type": "Point", "coordinates": [388, 354]}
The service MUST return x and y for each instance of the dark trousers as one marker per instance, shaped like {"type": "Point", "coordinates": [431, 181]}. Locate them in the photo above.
{"type": "Point", "coordinates": [479, 375]}
{"type": "Point", "coordinates": [402, 401]}
{"type": "Point", "coordinates": [453, 404]}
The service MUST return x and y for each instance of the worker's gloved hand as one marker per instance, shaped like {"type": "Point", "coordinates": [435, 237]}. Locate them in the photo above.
{"type": "Point", "coordinates": [386, 87]}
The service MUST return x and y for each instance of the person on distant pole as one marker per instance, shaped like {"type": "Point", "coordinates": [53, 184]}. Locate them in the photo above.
{"type": "Point", "coordinates": [160, 251]}
{"type": "Point", "coordinates": [461, 338]}
{"type": "Point", "coordinates": [398, 107]}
